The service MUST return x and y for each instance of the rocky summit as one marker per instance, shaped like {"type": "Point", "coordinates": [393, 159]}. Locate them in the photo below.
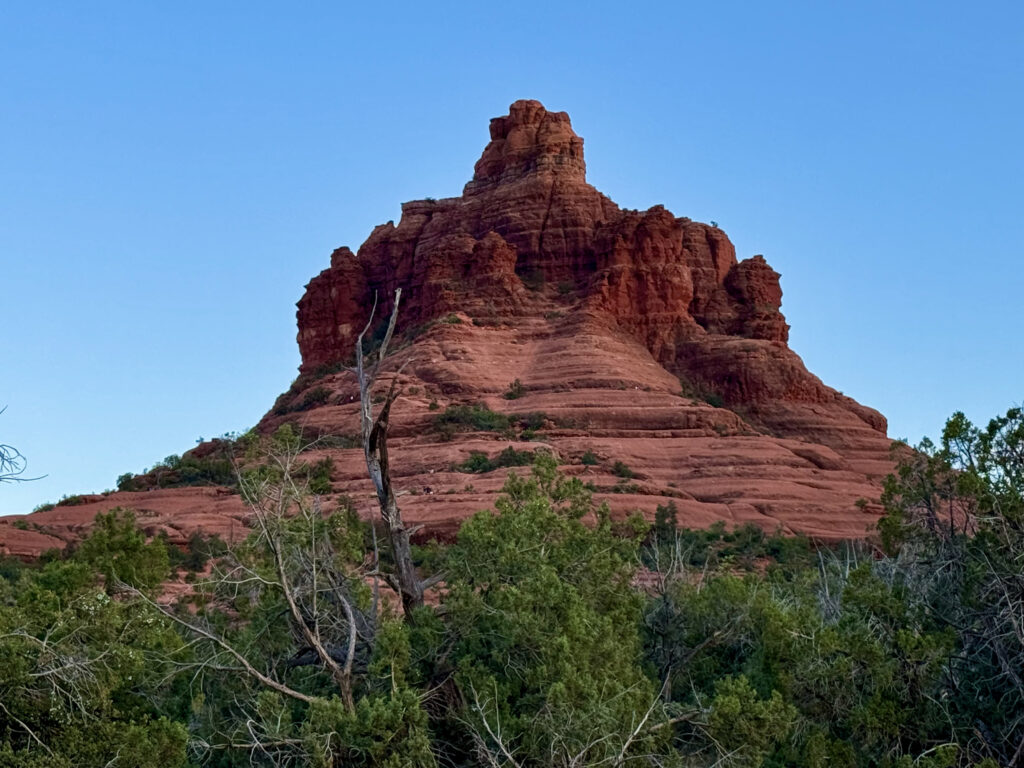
{"type": "Point", "coordinates": [538, 314]}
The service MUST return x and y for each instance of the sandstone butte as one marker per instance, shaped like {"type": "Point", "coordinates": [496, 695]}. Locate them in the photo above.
{"type": "Point", "coordinates": [637, 336]}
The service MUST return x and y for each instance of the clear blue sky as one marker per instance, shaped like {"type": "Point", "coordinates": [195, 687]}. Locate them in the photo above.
{"type": "Point", "coordinates": [171, 175]}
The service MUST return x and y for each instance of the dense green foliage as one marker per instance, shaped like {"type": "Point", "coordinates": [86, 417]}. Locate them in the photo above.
{"type": "Point", "coordinates": [543, 619]}
{"type": "Point", "coordinates": [215, 468]}
{"type": "Point", "coordinates": [479, 462]}
{"type": "Point", "coordinates": [76, 680]}
{"type": "Point", "coordinates": [515, 390]}
{"type": "Point", "coordinates": [480, 418]}
{"type": "Point", "coordinates": [471, 417]}
{"type": "Point", "coordinates": [621, 469]}
{"type": "Point", "coordinates": [220, 464]}
{"type": "Point", "coordinates": [956, 530]}
{"type": "Point", "coordinates": [559, 638]}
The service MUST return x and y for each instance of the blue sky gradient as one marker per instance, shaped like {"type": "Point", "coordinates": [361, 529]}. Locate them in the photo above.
{"type": "Point", "coordinates": [171, 175]}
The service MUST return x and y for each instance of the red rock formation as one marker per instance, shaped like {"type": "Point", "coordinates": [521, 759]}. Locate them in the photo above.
{"type": "Point", "coordinates": [672, 283]}
{"type": "Point", "coordinates": [616, 305]}
{"type": "Point", "coordinates": [619, 323]}
{"type": "Point", "coordinates": [175, 512]}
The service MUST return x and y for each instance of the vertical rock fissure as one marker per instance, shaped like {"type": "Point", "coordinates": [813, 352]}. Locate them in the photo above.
{"type": "Point", "coordinates": [544, 221]}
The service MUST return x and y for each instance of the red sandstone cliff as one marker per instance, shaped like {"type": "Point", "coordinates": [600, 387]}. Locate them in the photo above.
{"type": "Point", "coordinates": [672, 284]}
{"type": "Point", "coordinates": [619, 324]}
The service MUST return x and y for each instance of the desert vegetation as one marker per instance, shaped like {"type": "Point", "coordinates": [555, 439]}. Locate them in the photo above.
{"type": "Point", "coordinates": [561, 637]}
{"type": "Point", "coordinates": [479, 462]}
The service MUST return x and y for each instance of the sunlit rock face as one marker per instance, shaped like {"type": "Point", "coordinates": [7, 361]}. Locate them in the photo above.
{"type": "Point", "coordinates": [637, 337]}
{"type": "Point", "coordinates": [606, 316]}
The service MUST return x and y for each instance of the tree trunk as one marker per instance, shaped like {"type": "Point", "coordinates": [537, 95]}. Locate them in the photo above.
{"type": "Point", "coordinates": [375, 449]}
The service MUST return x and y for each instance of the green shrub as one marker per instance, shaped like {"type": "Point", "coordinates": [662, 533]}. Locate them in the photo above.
{"type": "Point", "coordinates": [372, 342]}
{"type": "Point", "coordinates": [326, 370]}
{"type": "Point", "coordinates": [205, 471]}
{"type": "Point", "coordinates": [216, 468]}
{"type": "Point", "coordinates": [515, 390]}
{"type": "Point", "coordinates": [589, 459]}
{"type": "Point", "coordinates": [118, 550]}
{"type": "Point", "coordinates": [533, 420]}
{"type": "Point", "coordinates": [320, 476]}
{"type": "Point", "coordinates": [745, 725]}
{"type": "Point", "coordinates": [544, 624]}
{"type": "Point", "coordinates": [510, 457]}
{"type": "Point", "coordinates": [621, 469]}
{"type": "Point", "coordinates": [170, 462]}
{"type": "Point", "coordinates": [198, 550]}
{"type": "Point", "coordinates": [666, 522]}
{"type": "Point", "coordinates": [80, 671]}
{"type": "Point", "coordinates": [313, 398]}
{"type": "Point", "coordinates": [466, 418]}
{"type": "Point", "coordinates": [11, 568]}
{"type": "Point", "coordinates": [479, 462]}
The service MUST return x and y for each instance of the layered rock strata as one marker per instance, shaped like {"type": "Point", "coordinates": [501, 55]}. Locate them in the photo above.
{"type": "Point", "coordinates": [637, 338]}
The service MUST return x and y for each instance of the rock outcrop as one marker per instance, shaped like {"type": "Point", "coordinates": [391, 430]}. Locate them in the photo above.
{"type": "Point", "coordinates": [636, 336]}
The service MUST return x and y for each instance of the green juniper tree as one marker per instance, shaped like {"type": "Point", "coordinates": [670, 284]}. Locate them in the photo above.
{"type": "Point", "coordinates": [293, 658]}
{"type": "Point", "coordinates": [955, 528]}
{"type": "Point", "coordinates": [546, 650]}
{"type": "Point", "coordinates": [76, 683]}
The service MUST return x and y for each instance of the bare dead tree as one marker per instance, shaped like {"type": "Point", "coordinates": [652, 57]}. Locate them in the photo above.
{"type": "Point", "coordinates": [318, 597]}
{"type": "Point", "coordinates": [405, 580]}
{"type": "Point", "coordinates": [591, 744]}
{"type": "Point", "coordinates": [12, 463]}
{"type": "Point", "coordinates": [499, 754]}
{"type": "Point", "coordinates": [312, 564]}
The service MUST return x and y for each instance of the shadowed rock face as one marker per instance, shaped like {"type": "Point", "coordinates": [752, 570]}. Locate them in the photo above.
{"type": "Point", "coordinates": [638, 337]}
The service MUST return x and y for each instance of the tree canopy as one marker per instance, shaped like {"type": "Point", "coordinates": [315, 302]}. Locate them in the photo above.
{"type": "Point", "coordinates": [557, 635]}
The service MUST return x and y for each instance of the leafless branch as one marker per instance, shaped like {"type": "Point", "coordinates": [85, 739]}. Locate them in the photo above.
{"type": "Point", "coordinates": [13, 464]}
{"type": "Point", "coordinates": [223, 645]}
{"type": "Point", "coordinates": [494, 733]}
{"type": "Point", "coordinates": [374, 431]}
{"type": "Point", "coordinates": [28, 730]}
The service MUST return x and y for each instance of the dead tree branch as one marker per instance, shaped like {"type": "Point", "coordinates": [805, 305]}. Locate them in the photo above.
{"type": "Point", "coordinates": [13, 464]}
{"type": "Point", "coordinates": [195, 629]}
{"type": "Point", "coordinates": [375, 448]}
